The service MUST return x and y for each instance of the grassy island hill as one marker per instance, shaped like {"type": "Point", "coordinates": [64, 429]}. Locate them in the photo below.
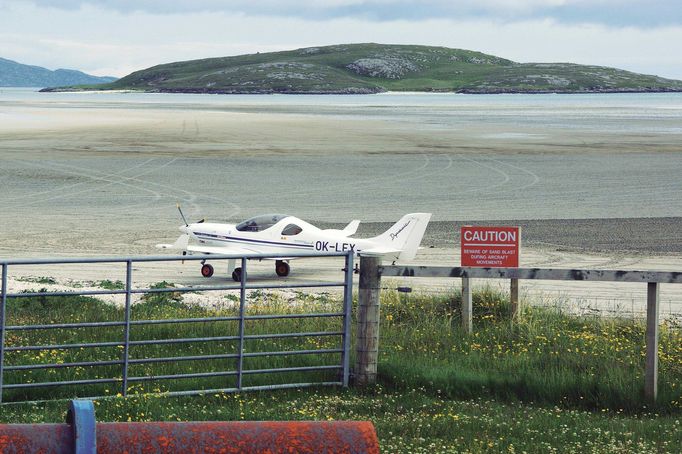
{"type": "Point", "coordinates": [374, 68]}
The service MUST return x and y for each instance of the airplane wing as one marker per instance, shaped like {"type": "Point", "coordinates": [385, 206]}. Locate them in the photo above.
{"type": "Point", "coordinates": [230, 250]}
{"type": "Point", "coordinates": [182, 244]}
{"type": "Point", "coordinates": [219, 250]}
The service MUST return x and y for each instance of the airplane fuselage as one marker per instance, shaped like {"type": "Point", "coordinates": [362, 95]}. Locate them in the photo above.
{"type": "Point", "coordinates": [278, 235]}
{"type": "Point", "coordinates": [274, 241]}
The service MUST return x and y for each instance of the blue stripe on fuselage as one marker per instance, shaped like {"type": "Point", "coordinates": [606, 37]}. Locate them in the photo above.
{"type": "Point", "coordinates": [231, 239]}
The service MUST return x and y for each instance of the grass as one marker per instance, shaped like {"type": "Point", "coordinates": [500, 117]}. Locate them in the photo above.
{"type": "Point", "coordinates": [545, 356]}
{"type": "Point", "coordinates": [39, 280]}
{"type": "Point", "coordinates": [547, 382]}
{"type": "Point", "coordinates": [110, 285]}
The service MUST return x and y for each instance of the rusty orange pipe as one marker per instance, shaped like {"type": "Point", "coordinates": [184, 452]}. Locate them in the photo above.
{"type": "Point", "coordinates": [193, 437]}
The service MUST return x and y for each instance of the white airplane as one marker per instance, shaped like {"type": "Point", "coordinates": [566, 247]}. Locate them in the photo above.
{"type": "Point", "coordinates": [281, 234]}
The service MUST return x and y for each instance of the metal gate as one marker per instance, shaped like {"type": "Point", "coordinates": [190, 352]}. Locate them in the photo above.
{"type": "Point", "coordinates": [103, 350]}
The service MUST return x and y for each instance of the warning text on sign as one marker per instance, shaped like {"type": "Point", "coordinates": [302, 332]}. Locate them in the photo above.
{"type": "Point", "coordinates": [490, 247]}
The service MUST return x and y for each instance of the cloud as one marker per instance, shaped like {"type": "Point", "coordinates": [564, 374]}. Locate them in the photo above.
{"type": "Point", "coordinates": [110, 42]}
{"type": "Point", "coordinates": [637, 13]}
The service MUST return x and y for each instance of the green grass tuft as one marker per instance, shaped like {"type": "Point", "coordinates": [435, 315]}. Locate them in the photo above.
{"type": "Point", "coordinates": [543, 356]}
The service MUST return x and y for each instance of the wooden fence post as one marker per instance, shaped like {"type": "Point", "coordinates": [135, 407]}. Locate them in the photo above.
{"type": "Point", "coordinates": [651, 371]}
{"type": "Point", "coordinates": [514, 297]}
{"type": "Point", "coordinates": [467, 306]}
{"type": "Point", "coordinates": [367, 340]}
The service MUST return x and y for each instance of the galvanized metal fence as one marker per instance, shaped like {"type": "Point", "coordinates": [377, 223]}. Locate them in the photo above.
{"type": "Point", "coordinates": [124, 378]}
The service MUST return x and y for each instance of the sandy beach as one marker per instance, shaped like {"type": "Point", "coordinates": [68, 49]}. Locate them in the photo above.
{"type": "Point", "coordinates": [591, 185]}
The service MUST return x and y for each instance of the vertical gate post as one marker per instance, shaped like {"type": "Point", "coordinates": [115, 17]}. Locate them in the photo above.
{"type": "Point", "coordinates": [347, 316]}
{"type": "Point", "coordinates": [467, 306]}
{"type": "Point", "coordinates": [242, 313]}
{"type": "Point", "coordinates": [514, 297]}
{"type": "Point", "coordinates": [126, 331]}
{"type": "Point", "coordinates": [367, 345]}
{"type": "Point", "coordinates": [651, 371]}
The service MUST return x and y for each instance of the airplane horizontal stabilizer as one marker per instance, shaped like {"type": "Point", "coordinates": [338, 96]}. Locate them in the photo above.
{"type": "Point", "coordinates": [181, 243]}
{"type": "Point", "coordinates": [387, 253]}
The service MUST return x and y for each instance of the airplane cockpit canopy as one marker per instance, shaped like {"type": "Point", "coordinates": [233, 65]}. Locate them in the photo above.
{"type": "Point", "coordinates": [291, 230]}
{"type": "Point", "coordinates": [260, 223]}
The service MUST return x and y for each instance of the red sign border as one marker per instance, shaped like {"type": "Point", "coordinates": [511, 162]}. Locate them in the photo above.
{"type": "Point", "coordinates": [467, 261]}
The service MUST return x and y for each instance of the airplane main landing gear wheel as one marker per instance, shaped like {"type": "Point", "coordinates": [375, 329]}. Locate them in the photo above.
{"type": "Point", "coordinates": [237, 275]}
{"type": "Point", "coordinates": [282, 268]}
{"type": "Point", "coordinates": [207, 270]}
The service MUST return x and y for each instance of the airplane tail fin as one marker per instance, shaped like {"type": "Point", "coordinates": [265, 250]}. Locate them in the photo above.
{"type": "Point", "coordinates": [349, 230]}
{"type": "Point", "coordinates": [405, 235]}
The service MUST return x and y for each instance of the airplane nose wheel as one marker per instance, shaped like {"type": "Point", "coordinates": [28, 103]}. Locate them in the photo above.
{"type": "Point", "coordinates": [237, 275]}
{"type": "Point", "coordinates": [207, 270]}
{"type": "Point", "coordinates": [282, 268]}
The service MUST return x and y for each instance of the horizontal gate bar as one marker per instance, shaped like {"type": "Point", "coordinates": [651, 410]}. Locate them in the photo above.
{"type": "Point", "coordinates": [63, 365]}
{"type": "Point", "coordinates": [287, 316]}
{"type": "Point", "coordinates": [170, 321]}
{"type": "Point", "coordinates": [94, 381]}
{"type": "Point", "coordinates": [251, 388]}
{"type": "Point", "coordinates": [174, 289]}
{"type": "Point", "coordinates": [290, 369]}
{"type": "Point", "coordinates": [285, 335]}
{"type": "Point", "coordinates": [64, 326]}
{"type": "Point", "coordinates": [62, 346]}
{"type": "Point", "coordinates": [182, 376]}
{"type": "Point", "coordinates": [183, 340]}
{"type": "Point", "coordinates": [181, 358]}
{"type": "Point", "coordinates": [165, 258]}
{"type": "Point", "coordinates": [171, 359]}
{"type": "Point", "coordinates": [294, 352]}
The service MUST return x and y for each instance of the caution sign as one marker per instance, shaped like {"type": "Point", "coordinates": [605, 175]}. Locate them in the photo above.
{"type": "Point", "coordinates": [490, 247]}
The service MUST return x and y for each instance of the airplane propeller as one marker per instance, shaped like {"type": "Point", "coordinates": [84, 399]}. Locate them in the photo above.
{"type": "Point", "coordinates": [185, 219]}
{"type": "Point", "coordinates": [182, 215]}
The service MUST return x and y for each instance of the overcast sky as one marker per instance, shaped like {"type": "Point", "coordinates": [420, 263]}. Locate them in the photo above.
{"type": "Point", "coordinates": [112, 37]}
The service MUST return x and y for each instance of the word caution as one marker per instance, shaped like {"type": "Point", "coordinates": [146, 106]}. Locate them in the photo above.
{"type": "Point", "coordinates": [490, 247]}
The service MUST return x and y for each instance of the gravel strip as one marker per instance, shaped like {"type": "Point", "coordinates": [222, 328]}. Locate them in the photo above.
{"type": "Point", "coordinates": [644, 236]}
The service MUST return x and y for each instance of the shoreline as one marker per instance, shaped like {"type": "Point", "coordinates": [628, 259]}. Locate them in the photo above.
{"type": "Point", "coordinates": [355, 91]}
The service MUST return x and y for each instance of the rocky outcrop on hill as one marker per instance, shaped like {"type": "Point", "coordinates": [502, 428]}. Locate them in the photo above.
{"type": "Point", "coordinates": [383, 67]}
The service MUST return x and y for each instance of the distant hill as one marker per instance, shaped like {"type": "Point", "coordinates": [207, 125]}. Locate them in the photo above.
{"type": "Point", "coordinates": [13, 74]}
{"type": "Point", "coordinates": [373, 68]}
